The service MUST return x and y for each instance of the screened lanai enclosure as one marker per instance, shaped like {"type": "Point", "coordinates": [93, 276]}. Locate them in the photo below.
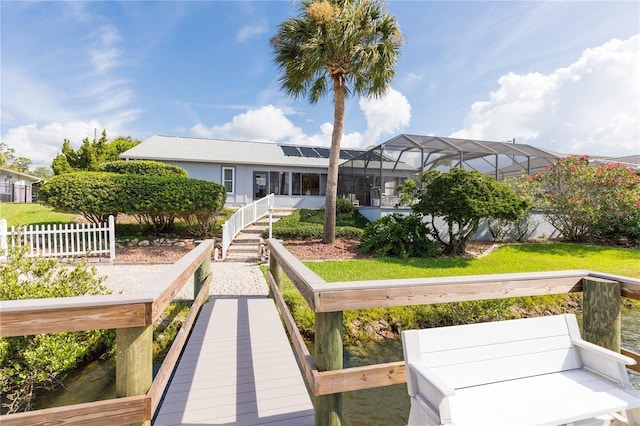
{"type": "Point", "coordinates": [372, 178]}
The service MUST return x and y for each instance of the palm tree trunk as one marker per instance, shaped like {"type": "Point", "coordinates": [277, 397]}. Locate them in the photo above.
{"type": "Point", "coordinates": [329, 235]}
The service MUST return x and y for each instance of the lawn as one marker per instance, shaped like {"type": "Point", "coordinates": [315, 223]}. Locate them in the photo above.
{"type": "Point", "coordinates": [20, 214]}
{"type": "Point", "coordinates": [506, 259]}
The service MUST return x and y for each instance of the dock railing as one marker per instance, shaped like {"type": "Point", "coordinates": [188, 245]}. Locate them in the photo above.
{"type": "Point", "coordinates": [324, 372]}
{"type": "Point", "coordinates": [243, 217]}
{"type": "Point", "coordinates": [133, 316]}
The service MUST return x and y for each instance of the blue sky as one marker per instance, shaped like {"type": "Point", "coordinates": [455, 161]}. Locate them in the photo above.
{"type": "Point", "coordinates": [560, 75]}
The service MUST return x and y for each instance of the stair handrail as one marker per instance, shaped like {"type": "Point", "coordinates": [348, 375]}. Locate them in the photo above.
{"type": "Point", "coordinates": [243, 217]}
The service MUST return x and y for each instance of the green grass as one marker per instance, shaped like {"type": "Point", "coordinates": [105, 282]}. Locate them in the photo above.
{"type": "Point", "coordinates": [506, 259]}
{"type": "Point", "coordinates": [20, 214]}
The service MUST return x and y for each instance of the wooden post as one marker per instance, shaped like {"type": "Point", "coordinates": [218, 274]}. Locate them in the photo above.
{"type": "Point", "coordinates": [201, 275]}
{"type": "Point", "coordinates": [275, 269]}
{"type": "Point", "coordinates": [134, 362]}
{"type": "Point", "coordinates": [328, 356]}
{"type": "Point", "coordinates": [601, 306]}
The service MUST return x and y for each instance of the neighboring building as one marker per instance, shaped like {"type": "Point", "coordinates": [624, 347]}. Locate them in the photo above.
{"type": "Point", "coordinates": [16, 187]}
{"type": "Point", "coordinates": [297, 175]}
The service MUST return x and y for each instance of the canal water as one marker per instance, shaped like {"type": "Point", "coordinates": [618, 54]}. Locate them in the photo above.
{"type": "Point", "coordinates": [380, 406]}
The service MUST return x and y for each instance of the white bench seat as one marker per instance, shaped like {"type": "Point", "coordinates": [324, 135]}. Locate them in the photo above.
{"type": "Point", "coordinates": [535, 371]}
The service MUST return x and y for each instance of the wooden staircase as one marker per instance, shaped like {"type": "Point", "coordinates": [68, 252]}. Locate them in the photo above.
{"type": "Point", "coordinates": [245, 247]}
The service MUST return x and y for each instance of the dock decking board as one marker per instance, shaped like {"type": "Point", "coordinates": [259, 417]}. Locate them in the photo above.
{"type": "Point", "coordinates": [237, 369]}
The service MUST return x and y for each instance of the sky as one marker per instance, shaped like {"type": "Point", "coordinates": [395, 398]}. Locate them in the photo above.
{"type": "Point", "coordinates": [559, 75]}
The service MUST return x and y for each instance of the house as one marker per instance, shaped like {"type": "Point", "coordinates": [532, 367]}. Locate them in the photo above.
{"type": "Point", "coordinates": [17, 187]}
{"type": "Point", "coordinates": [297, 175]}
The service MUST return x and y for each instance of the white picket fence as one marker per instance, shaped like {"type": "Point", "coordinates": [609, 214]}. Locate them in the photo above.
{"type": "Point", "coordinates": [64, 240]}
{"type": "Point", "coordinates": [244, 217]}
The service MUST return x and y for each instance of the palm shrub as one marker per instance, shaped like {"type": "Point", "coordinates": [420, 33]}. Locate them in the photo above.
{"type": "Point", "coordinates": [399, 235]}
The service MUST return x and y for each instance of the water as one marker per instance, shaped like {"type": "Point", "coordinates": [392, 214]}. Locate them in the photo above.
{"type": "Point", "coordinates": [379, 406]}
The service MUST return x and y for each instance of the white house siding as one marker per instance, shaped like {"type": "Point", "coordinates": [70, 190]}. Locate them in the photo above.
{"type": "Point", "coordinates": [243, 193]}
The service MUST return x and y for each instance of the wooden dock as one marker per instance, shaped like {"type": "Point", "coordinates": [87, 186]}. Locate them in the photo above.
{"type": "Point", "coordinates": [238, 369]}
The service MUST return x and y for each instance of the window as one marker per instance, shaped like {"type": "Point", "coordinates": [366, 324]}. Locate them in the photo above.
{"type": "Point", "coordinates": [229, 179]}
{"type": "Point", "coordinates": [279, 183]}
{"type": "Point", "coordinates": [309, 183]}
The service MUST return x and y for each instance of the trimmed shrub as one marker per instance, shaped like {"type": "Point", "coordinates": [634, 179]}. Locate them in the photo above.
{"type": "Point", "coordinates": [399, 235]}
{"type": "Point", "coordinates": [143, 167]}
{"type": "Point", "coordinates": [309, 224]}
{"type": "Point", "coordinates": [155, 201]}
{"type": "Point", "coordinates": [95, 195]}
{"type": "Point", "coordinates": [344, 206]}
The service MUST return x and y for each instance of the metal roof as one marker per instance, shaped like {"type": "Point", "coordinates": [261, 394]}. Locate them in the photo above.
{"type": "Point", "coordinates": [174, 148]}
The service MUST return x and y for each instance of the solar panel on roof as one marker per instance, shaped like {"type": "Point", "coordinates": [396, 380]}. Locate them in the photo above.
{"type": "Point", "coordinates": [309, 152]}
{"type": "Point", "coordinates": [324, 152]}
{"type": "Point", "coordinates": [291, 151]}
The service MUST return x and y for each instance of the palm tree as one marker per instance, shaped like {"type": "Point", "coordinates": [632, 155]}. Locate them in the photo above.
{"type": "Point", "coordinates": [349, 46]}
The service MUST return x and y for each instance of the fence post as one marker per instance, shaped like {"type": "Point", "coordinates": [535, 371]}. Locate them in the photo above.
{"type": "Point", "coordinates": [601, 308]}
{"type": "Point", "coordinates": [134, 361]}
{"type": "Point", "coordinates": [112, 238]}
{"type": "Point", "coordinates": [3, 238]}
{"type": "Point", "coordinates": [328, 356]}
{"type": "Point", "coordinates": [275, 269]}
{"type": "Point", "coordinates": [201, 274]}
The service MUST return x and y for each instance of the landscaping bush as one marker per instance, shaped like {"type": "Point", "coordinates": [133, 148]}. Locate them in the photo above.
{"type": "Point", "coordinates": [582, 201]}
{"type": "Point", "coordinates": [344, 206]}
{"type": "Point", "coordinates": [95, 195]}
{"type": "Point", "coordinates": [156, 201]}
{"type": "Point", "coordinates": [143, 167]}
{"type": "Point", "coordinates": [308, 225]}
{"type": "Point", "coordinates": [399, 235]}
{"type": "Point", "coordinates": [39, 362]}
{"type": "Point", "coordinates": [462, 198]}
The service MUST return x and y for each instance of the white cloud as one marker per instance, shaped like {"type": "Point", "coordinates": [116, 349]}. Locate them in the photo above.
{"type": "Point", "coordinates": [264, 124]}
{"type": "Point", "coordinates": [385, 115]}
{"type": "Point", "coordinates": [249, 31]}
{"type": "Point", "coordinates": [106, 55]}
{"type": "Point", "coordinates": [589, 107]}
{"type": "Point", "coordinates": [40, 143]}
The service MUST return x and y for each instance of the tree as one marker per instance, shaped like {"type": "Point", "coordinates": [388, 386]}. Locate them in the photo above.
{"type": "Point", "coordinates": [7, 154]}
{"type": "Point", "coordinates": [21, 164]}
{"type": "Point", "coordinates": [91, 154]}
{"type": "Point", "coordinates": [462, 198]}
{"type": "Point", "coordinates": [343, 46]}
{"type": "Point", "coordinates": [583, 201]}
{"type": "Point", "coordinates": [43, 172]}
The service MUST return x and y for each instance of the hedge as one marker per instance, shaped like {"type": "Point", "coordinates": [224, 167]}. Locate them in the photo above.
{"type": "Point", "coordinates": [155, 200]}
{"type": "Point", "coordinates": [143, 167]}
